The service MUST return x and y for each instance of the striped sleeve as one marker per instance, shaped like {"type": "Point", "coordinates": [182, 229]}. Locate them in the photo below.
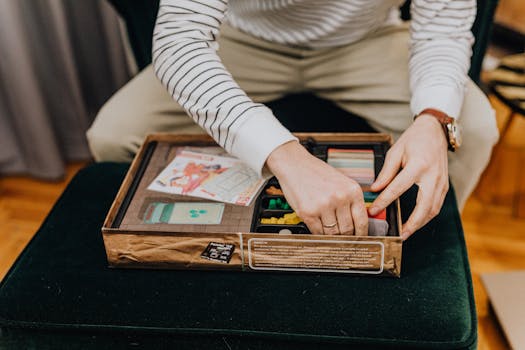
{"type": "Point", "coordinates": [441, 46]}
{"type": "Point", "coordinates": [186, 62]}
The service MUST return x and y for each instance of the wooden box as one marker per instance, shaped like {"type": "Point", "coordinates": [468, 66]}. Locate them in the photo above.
{"type": "Point", "coordinates": [231, 245]}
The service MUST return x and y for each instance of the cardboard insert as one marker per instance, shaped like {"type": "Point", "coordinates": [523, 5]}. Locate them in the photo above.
{"type": "Point", "coordinates": [240, 241]}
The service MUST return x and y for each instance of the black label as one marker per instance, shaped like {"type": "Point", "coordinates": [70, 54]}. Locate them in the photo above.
{"type": "Point", "coordinates": [220, 252]}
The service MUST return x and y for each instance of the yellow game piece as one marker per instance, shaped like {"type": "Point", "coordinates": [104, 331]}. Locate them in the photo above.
{"type": "Point", "coordinates": [286, 219]}
{"type": "Point", "coordinates": [268, 221]}
{"type": "Point", "coordinates": [292, 219]}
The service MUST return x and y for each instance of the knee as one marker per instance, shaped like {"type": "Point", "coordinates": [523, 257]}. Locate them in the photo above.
{"type": "Point", "coordinates": [484, 133]}
{"type": "Point", "coordinates": [479, 118]}
{"type": "Point", "coordinates": [99, 144]}
{"type": "Point", "coordinates": [108, 146]}
{"type": "Point", "coordinates": [488, 123]}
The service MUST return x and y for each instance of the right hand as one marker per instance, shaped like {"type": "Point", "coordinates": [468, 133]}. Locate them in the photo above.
{"type": "Point", "coordinates": [320, 195]}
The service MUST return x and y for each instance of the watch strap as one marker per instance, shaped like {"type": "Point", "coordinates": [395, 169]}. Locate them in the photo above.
{"type": "Point", "coordinates": [444, 119]}
{"type": "Point", "coordinates": [441, 116]}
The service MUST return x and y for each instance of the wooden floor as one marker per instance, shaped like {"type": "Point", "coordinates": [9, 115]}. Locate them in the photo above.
{"type": "Point", "coordinates": [24, 204]}
{"type": "Point", "coordinates": [495, 239]}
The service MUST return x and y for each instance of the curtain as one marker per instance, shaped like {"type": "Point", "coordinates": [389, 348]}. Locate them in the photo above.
{"type": "Point", "coordinates": [60, 60]}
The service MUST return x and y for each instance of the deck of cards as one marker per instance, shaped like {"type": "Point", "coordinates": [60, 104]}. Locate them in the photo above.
{"type": "Point", "coordinates": [357, 164]}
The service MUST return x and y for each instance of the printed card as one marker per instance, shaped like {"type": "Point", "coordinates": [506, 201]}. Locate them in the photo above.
{"type": "Point", "coordinates": [194, 213]}
{"type": "Point", "coordinates": [209, 176]}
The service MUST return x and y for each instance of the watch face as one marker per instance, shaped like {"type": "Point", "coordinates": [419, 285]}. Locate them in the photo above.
{"type": "Point", "coordinates": [454, 134]}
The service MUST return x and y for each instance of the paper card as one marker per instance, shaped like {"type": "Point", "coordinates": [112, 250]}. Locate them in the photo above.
{"type": "Point", "coordinates": [197, 213]}
{"type": "Point", "coordinates": [208, 176]}
{"type": "Point", "coordinates": [193, 213]}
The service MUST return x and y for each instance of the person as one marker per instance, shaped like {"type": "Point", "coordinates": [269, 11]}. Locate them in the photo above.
{"type": "Point", "coordinates": [219, 61]}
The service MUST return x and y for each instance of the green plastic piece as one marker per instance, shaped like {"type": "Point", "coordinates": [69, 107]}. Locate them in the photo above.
{"type": "Point", "coordinates": [370, 196]}
{"type": "Point", "coordinates": [278, 203]}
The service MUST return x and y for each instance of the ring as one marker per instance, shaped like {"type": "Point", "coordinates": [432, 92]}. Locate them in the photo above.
{"type": "Point", "coordinates": [330, 226]}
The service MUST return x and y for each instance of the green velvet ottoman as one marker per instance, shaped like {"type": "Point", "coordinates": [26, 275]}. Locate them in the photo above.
{"type": "Point", "coordinates": [60, 294]}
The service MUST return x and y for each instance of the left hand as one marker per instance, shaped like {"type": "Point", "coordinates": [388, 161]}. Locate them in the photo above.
{"type": "Point", "coordinates": [421, 152]}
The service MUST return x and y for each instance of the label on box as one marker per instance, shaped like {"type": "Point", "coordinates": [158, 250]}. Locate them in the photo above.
{"type": "Point", "coordinates": [316, 255]}
{"type": "Point", "coordinates": [219, 252]}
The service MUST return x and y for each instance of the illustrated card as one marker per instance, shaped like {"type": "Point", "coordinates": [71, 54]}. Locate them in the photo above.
{"type": "Point", "coordinates": [209, 176]}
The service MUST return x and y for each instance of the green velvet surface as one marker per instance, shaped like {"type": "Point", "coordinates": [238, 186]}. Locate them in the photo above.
{"type": "Point", "coordinates": [61, 283]}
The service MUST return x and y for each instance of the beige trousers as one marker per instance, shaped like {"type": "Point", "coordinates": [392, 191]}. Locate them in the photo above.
{"type": "Point", "coordinates": [368, 78]}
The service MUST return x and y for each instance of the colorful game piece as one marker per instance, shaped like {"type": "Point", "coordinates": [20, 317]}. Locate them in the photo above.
{"type": "Point", "coordinates": [286, 219]}
{"type": "Point", "coordinates": [380, 216]}
{"type": "Point", "coordinates": [278, 203]}
{"type": "Point", "coordinates": [274, 191]}
{"type": "Point", "coordinates": [370, 196]}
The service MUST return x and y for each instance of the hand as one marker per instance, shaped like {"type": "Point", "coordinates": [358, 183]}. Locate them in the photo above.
{"type": "Point", "coordinates": [422, 153]}
{"type": "Point", "coordinates": [320, 195]}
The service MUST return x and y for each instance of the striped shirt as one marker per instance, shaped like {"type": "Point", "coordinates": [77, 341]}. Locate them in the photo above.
{"type": "Point", "coordinates": [186, 61]}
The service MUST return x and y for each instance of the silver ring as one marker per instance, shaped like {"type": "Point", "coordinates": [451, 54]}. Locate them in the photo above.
{"type": "Point", "coordinates": [330, 226]}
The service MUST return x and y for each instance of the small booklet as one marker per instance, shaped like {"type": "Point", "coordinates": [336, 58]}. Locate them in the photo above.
{"type": "Point", "coordinates": [210, 176]}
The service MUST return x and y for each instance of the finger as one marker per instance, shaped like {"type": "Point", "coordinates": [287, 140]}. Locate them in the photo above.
{"type": "Point", "coordinates": [344, 220]}
{"type": "Point", "coordinates": [360, 218]}
{"type": "Point", "coordinates": [422, 212]}
{"type": "Point", "coordinates": [438, 200]}
{"type": "Point", "coordinates": [314, 225]}
{"type": "Point", "coordinates": [389, 170]}
{"type": "Point", "coordinates": [329, 221]}
{"type": "Point", "coordinates": [402, 182]}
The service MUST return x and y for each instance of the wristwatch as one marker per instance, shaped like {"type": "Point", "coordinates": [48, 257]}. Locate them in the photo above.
{"type": "Point", "coordinates": [450, 125]}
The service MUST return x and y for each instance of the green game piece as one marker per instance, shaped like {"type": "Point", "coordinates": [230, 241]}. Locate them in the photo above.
{"type": "Point", "coordinates": [278, 203]}
{"type": "Point", "coordinates": [370, 196]}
